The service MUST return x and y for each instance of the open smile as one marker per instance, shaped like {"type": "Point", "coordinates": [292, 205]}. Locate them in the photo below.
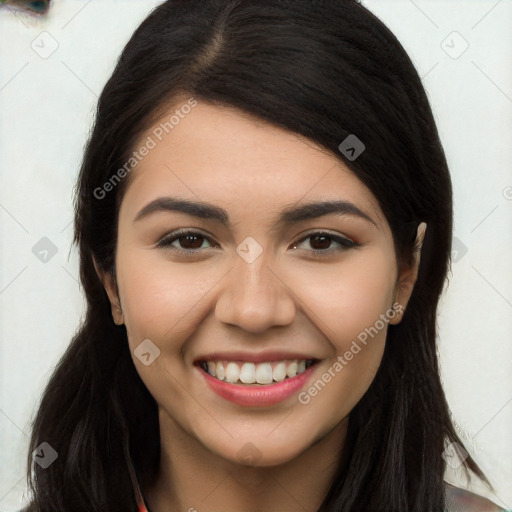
{"type": "Point", "coordinates": [256, 384]}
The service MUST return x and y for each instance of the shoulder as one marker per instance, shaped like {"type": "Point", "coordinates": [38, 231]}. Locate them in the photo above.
{"type": "Point", "coordinates": [461, 500]}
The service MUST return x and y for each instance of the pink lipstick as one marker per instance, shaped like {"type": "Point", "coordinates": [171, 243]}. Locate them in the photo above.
{"type": "Point", "coordinates": [257, 395]}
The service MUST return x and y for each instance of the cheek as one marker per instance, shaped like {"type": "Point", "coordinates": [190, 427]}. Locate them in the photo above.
{"type": "Point", "coordinates": [352, 308]}
{"type": "Point", "coordinates": [345, 299]}
{"type": "Point", "coordinates": [351, 305]}
{"type": "Point", "coordinates": [159, 298]}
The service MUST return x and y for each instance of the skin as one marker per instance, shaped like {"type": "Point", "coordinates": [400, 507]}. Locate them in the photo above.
{"type": "Point", "coordinates": [190, 305]}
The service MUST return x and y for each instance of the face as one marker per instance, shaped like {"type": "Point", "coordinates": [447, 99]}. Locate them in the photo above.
{"type": "Point", "coordinates": [251, 284]}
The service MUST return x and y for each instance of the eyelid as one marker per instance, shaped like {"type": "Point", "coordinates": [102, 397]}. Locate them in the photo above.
{"type": "Point", "coordinates": [328, 233]}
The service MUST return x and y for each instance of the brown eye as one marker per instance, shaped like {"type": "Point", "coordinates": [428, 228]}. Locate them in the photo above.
{"type": "Point", "coordinates": [321, 243]}
{"type": "Point", "coordinates": [191, 241]}
{"type": "Point", "coordinates": [184, 241]}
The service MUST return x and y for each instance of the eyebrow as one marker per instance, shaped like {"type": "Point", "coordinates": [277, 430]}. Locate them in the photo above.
{"type": "Point", "coordinates": [289, 215]}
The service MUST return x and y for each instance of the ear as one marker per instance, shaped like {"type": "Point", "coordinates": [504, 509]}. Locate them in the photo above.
{"type": "Point", "coordinates": [109, 283]}
{"type": "Point", "coordinates": [407, 278]}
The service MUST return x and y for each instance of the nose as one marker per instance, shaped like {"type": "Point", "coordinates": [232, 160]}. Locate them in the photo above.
{"type": "Point", "coordinates": [255, 297]}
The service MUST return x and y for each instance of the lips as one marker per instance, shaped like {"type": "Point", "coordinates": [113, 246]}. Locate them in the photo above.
{"type": "Point", "coordinates": [257, 395]}
{"type": "Point", "coordinates": [256, 380]}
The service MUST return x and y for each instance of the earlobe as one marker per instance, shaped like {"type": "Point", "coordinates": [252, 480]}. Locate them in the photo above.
{"type": "Point", "coordinates": [109, 283]}
{"type": "Point", "coordinates": [408, 277]}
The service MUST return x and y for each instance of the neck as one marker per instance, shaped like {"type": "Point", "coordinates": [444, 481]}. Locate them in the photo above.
{"type": "Point", "coordinates": [192, 478]}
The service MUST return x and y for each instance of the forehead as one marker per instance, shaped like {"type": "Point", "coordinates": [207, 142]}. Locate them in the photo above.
{"type": "Point", "coordinates": [224, 155]}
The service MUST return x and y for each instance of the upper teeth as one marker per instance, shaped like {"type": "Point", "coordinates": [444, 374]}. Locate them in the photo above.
{"type": "Point", "coordinates": [250, 373]}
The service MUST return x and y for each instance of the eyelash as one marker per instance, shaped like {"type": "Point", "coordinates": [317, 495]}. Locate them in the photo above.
{"type": "Point", "coordinates": [345, 243]}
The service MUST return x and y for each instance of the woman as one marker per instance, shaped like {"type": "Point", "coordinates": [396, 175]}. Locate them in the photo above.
{"type": "Point", "coordinates": [288, 361]}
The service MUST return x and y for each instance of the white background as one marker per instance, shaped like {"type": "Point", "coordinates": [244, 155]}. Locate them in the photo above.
{"type": "Point", "coordinates": [47, 107]}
